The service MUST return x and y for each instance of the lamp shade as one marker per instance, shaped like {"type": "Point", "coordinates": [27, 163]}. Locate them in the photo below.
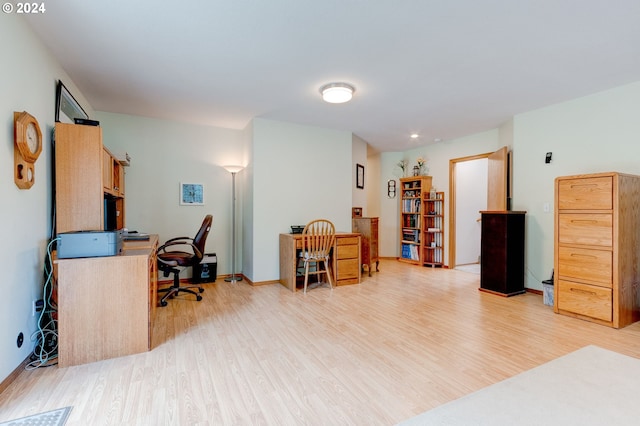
{"type": "Point", "coordinates": [233, 169]}
{"type": "Point", "coordinates": [337, 93]}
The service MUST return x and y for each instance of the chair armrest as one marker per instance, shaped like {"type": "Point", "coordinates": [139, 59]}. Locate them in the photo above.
{"type": "Point", "coordinates": [176, 242]}
{"type": "Point", "coordinates": [170, 243]}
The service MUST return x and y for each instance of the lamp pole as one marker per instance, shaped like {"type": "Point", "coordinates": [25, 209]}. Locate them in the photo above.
{"type": "Point", "coordinates": [233, 170]}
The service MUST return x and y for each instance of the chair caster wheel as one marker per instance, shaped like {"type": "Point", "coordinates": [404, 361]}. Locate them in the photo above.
{"type": "Point", "coordinates": [198, 297]}
{"type": "Point", "coordinates": [163, 303]}
{"type": "Point", "coordinates": [201, 289]}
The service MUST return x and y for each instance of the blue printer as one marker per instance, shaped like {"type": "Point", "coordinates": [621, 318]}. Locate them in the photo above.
{"type": "Point", "coordinates": [89, 244]}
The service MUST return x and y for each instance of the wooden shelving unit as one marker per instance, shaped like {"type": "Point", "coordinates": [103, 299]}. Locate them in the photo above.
{"type": "Point", "coordinates": [87, 176]}
{"type": "Point", "coordinates": [433, 233]}
{"type": "Point", "coordinates": [413, 190]}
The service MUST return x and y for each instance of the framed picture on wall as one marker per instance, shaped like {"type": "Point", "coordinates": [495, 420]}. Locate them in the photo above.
{"type": "Point", "coordinates": [359, 176]}
{"type": "Point", "coordinates": [67, 108]}
{"type": "Point", "coordinates": [191, 194]}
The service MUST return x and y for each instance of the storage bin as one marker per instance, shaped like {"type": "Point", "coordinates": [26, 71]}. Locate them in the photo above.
{"type": "Point", "coordinates": [547, 292]}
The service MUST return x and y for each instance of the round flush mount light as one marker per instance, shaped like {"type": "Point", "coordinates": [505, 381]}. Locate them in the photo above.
{"type": "Point", "coordinates": [337, 93]}
{"type": "Point", "coordinates": [414, 136]}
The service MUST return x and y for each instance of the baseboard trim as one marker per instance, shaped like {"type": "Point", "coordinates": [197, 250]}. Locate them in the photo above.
{"type": "Point", "coordinates": [14, 374]}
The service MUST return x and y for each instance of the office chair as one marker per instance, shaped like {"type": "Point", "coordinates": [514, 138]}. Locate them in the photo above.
{"type": "Point", "coordinates": [317, 240]}
{"type": "Point", "coordinates": [173, 261]}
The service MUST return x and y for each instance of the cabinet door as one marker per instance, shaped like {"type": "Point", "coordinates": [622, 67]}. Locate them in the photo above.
{"type": "Point", "coordinates": [107, 171]}
{"type": "Point", "coordinates": [79, 193]}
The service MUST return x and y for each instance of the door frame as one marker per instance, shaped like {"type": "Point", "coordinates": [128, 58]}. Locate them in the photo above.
{"type": "Point", "coordinates": [452, 202]}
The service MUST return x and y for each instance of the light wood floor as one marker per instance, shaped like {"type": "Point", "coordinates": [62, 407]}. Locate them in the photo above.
{"type": "Point", "coordinates": [405, 340]}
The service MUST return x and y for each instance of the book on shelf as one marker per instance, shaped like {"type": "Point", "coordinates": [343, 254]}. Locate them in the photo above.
{"type": "Point", "coordinates": [410, 251]}
{"type": "Point", "coordinates": [411, 235]}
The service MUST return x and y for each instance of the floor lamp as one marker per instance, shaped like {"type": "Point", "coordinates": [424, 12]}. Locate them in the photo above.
{"type": "Point", "coordinates": [233, 170]}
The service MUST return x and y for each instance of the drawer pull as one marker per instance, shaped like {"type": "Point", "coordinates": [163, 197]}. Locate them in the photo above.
{"type": "Point", "coordinates": [590, 221]}
{"type": "Point", "coordinates": [584, 256]}
{"type": "Point", "coordinates": [587, 185]}
{"type": "Point", "coordinates": [579, 290]}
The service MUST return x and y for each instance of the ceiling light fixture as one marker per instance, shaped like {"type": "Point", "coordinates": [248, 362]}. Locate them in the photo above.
{"type": "Point", "coordinates": [337, 93]}
{"type": "Point", "coordinates": [414, 136]}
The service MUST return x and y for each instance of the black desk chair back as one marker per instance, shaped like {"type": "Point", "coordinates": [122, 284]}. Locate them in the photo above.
{"type": "Point", "coordinates": [172, 261]}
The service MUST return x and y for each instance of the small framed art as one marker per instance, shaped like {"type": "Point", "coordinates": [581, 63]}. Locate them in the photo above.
{"type": "Point", "coordinates": [359, 176]}
{"type": "Point", "coordinates": [191, 194]}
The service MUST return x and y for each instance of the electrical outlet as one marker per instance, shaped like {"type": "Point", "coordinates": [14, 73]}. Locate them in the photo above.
{"type": "Point", "coordinates": [38, 305]}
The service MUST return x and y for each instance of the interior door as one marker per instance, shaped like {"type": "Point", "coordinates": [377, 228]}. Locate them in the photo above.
{"type": "Point", "coordinates": [497, 184]}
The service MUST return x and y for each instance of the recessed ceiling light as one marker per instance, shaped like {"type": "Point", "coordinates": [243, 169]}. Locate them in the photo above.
{"type": "Point", "coordinates": [337, 93]}
{"type": "Point", "coordinates": [414, 136]}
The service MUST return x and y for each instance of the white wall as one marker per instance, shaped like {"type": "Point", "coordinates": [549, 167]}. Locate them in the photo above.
{"type": "Point", "coordinates": [29, 76]}
{"type": "Point", "coordinates": [164, 154]}
{"type": "Point", "coordinates": [597, 133]}
{"type": "Point", "coordinates": [300, 173]}
{"type": "Point", "coordinates": [359, 155]}
{"type": "Point", "coordinates": [471, 198]}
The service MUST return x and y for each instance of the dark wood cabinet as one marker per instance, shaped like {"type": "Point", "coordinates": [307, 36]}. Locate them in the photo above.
{"type": "Point", "coordinates": [367, 227]}
{"type": "Point", "coordinates": [502, 252]}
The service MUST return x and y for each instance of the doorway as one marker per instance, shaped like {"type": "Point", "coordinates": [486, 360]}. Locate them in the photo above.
{"type": "Point", "coordinates": [476, 183]}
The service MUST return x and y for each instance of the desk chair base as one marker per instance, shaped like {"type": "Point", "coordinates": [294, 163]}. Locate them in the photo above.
{"type": "Point", "coordinates": [175, 289]}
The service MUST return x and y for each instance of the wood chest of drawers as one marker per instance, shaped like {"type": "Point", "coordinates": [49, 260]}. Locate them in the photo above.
{"type": "Point", "coordinates": [368, 229]}
{"type": "Point", "coordinates": [597, 248]}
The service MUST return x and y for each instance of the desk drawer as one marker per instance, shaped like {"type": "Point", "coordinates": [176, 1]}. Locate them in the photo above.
{"type": "Point", "coordinates": [583, 299]}
{"type": "Point", "coordinates": [585, 229]}
{"type": "Point", "coordinates": [345, 241]}
{"type": "Point", "coordinates": [347, 269]}
{"type": "Point", "coordinates": [586, 193]}
{"type": "Point", "coordinates": [347, 252]}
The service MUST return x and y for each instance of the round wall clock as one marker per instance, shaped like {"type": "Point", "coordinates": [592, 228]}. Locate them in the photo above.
{"type": "Point", "coordinates": [27, 139]}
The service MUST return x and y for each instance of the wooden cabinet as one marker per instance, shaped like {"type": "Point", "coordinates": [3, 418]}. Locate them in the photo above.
{"type": "Point", "coordinates": [78, 165]}
{"type": "Point", "coordinates": [367, 227]}
{"type": "Point", "coordinates": [106, 305]}
{"type": "Point", "coordinates": [412, 193]}
{"type": "Point", "coordinates": [433, 232]}
{"type": "Point", "coordinates": [112, 174]}
{"type": "Point", "coordinates": [86, 175]}
{"type": "Point", "coordinates": [597, 248]}
{"type": "Point", "coordinates": [346, 260]}
{"type": "Point", "coordinates": [502, 252]}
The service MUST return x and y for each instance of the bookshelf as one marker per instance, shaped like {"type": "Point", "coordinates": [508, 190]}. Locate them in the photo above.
{"type": "Point", "coordinates": [433, 219]}
{"type": "Point", "coordinates": [413, 190]}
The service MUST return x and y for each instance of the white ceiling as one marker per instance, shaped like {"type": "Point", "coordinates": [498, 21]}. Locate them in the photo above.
{"type": "Point", "coordinates": [442, 68]}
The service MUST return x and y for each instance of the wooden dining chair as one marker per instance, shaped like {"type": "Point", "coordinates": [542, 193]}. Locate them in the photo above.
{"type": "Point", "coordinates": [317, 240]}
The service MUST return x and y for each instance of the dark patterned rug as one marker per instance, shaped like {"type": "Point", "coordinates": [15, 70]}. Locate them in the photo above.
{"type": "Point", "coordinates": [50, 418]}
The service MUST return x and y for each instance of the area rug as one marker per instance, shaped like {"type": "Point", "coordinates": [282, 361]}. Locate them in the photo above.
{"type": "Point", "coordinates": [591, 386]}
{"type": "Point", "coordinates": [50, 418]}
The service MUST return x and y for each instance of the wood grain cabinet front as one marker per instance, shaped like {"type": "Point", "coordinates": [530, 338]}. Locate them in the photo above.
{"type": "Point", "coordinates": [367, 227]}
{"type": "Point", "coordinates": [347, 260]}
{"type": "Point", "coordinates": [597, 248]}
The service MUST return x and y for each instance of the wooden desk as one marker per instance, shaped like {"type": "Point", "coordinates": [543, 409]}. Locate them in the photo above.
{"type": "Point", "coordinates": [345, 261]}
{"type": "Point", "coordinates": [106, 305]}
